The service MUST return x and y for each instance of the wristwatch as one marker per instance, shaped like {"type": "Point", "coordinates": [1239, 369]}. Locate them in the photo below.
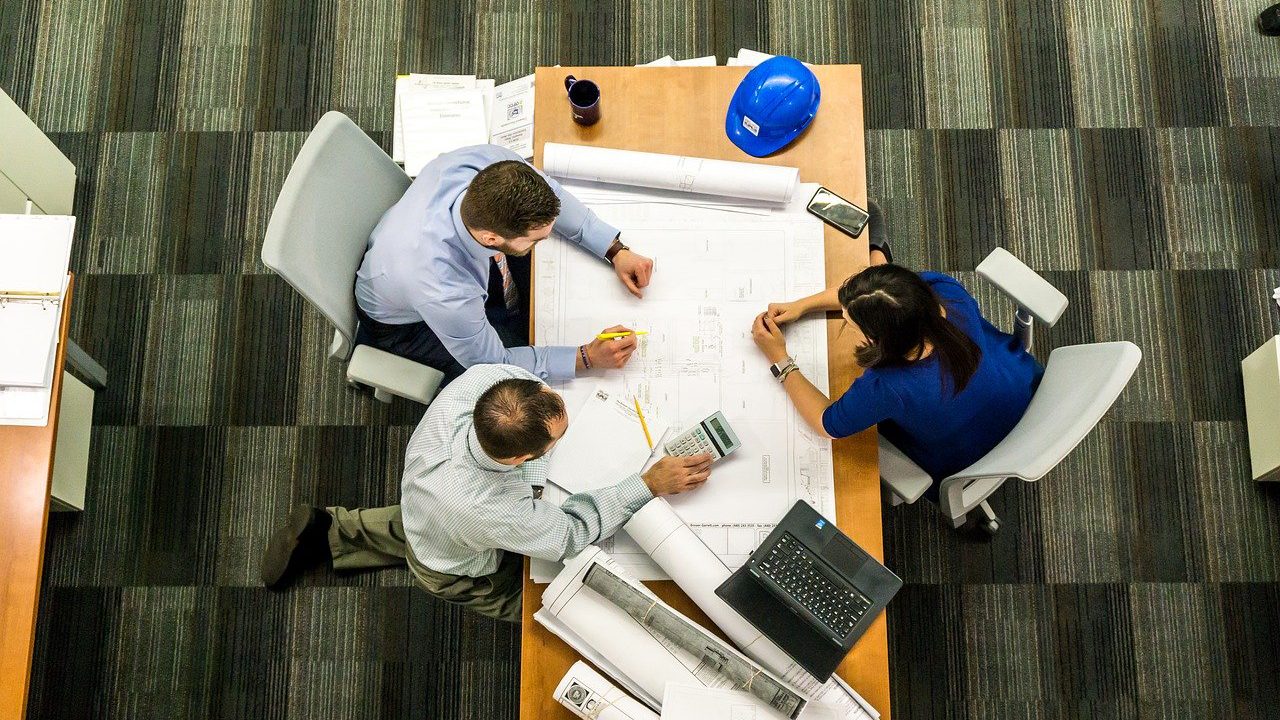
{"type": "Point", "coordinates": [614, 249]}
{"type": "Point", "coordinates": [779, 368]}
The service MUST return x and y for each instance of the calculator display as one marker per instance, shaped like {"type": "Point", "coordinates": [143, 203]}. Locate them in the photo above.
{"type": "Point", "coordinates": [724, 437]}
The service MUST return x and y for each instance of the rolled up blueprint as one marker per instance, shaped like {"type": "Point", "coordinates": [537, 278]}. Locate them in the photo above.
{"type": "Point", "coordinates": [589, 695]}
{"type": "Point", "coordinates": [635, 656]}
{"type": "Point", "coordinates": [678, 550]}
{"type": "Point", "coordinates": [705, 176]}
{"type": "Point", "coordinates": [677, 629]}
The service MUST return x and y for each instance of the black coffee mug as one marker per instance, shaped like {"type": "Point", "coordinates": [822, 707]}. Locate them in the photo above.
{"type": "Point", "coordinates": [584, 100]}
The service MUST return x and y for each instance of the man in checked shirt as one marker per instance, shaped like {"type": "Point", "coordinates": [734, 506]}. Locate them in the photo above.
{"type": "Point", "coordinates": [470, 507]}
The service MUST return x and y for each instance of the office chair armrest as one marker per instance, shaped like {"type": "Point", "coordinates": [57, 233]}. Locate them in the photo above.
{"type": "Point", "coordinates": [903, 477]}
{"type": "Point", "coordinates": [1024, 286]}
{"type": "Point", "coordinates": [391, 374]}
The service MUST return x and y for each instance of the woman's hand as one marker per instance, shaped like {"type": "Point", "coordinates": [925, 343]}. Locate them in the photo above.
{"type": "Point", "coordinates": [769, 338]}
{"type": "Point", "coordinates": [783, 313]}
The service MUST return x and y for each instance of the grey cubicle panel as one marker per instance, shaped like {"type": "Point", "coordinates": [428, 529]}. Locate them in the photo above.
{"type": "Point", "coordinates": [31, 166]}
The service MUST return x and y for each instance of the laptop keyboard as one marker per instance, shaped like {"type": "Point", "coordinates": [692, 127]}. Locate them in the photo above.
{"type": "Point", "coordinates": [795, 569]}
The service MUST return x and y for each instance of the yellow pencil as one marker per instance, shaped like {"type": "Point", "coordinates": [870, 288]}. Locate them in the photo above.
{"type": "Point", "coordinates": [643, 425]}
{"type": "Point", "coordinates": [612, 336]}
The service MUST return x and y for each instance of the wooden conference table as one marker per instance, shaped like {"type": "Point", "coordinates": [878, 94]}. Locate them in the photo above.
{"type": "Point", "coordinates": [681, 111]}
{"type": "Point", "coordinates": [26, 470]}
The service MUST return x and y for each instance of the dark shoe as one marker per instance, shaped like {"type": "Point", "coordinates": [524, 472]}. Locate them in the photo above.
{"type": "Point", "coordinates": [1269, 21]}
{"type": "Point", "coordinates": [875, 226]}
{"type": "Point", "coordinates": [301, 543]}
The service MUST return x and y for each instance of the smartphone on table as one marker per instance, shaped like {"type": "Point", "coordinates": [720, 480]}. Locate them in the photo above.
{"type": "Point", "coordinates": [838, 212]}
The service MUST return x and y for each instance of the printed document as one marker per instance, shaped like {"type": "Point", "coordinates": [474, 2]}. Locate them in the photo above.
{"type": "Point", "coordinates": [440, 121]}
{"type": "Point", "coordinates": [605, 443]}
{"type": "Point", "coordinates": [511, 118]}
{"type": "Point", "coordinates": [417, 83]}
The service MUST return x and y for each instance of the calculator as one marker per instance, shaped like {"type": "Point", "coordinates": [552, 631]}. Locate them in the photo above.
{"type": "Point", "coordinates": [712, 435]}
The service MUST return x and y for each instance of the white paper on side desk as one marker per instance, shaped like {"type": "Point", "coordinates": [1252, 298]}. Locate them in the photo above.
{"type": "Point", "coordinates": [511, 118]}
{"type": "Point", "coordinates": [440, 121]}
{"type": "Point", "coordinates": [414, 83]}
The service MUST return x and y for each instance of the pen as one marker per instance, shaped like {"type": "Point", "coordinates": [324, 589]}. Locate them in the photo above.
{"type": "Point", "coordinates": [643, 425]}
{"type": "Point", "coordinates": [615, 335]}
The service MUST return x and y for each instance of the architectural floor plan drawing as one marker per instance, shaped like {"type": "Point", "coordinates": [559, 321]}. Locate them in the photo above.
{"type": "Point", "coordinates": [715, 270]}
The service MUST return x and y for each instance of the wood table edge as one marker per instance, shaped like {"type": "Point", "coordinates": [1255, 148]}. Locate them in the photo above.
{"type": "Point", "coordinates": [13, 698]}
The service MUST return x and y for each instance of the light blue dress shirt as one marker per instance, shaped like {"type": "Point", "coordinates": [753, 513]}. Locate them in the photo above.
{"type": "Point", "coordinates": [422, 265]}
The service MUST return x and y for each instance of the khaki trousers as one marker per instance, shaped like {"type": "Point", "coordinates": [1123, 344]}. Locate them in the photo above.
{"type": "Point", "coordinates": [374, 537]}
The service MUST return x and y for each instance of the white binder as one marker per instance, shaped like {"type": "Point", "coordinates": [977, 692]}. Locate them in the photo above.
{"type": "Point", "coordinates": [35, 251]}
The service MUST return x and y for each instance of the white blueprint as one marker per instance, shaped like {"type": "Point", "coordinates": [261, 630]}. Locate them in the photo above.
{"type": "Point", "coordinates": [715, 271]}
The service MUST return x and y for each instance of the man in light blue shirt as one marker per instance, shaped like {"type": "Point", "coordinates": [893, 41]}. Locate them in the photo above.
{"type": "Point", "coordinates": [445, 278]}
{"type": "Point", "coordinates": [471, 505]}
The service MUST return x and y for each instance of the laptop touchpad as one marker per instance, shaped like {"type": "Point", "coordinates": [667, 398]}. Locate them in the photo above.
{"type": "Point", "coordinates": [844, 556]}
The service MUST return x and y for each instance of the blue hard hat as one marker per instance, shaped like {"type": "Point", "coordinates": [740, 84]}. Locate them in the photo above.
{"type": "Point", "coordinates": [773, 104]}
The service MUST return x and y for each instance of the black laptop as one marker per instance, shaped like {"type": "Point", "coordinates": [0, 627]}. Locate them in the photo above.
{"type": "Point", "coordinates": [810, 589]}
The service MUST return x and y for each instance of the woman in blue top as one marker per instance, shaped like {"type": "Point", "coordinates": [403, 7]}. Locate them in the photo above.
{"type": "Point", "coordinates": [944, 385]}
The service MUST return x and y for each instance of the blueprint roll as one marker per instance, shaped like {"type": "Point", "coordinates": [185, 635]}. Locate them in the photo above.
{"type": "Point", "coordinates": [704, 176]}
{"type": "Point", "coordinates": [589, 695]}
{"type": "Point", "coordinates": [678, 550]}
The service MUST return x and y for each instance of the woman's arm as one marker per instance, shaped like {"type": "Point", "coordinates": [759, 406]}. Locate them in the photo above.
{"type": "Point", "coordinates": [810, 402]}
{"type": "Point", "coordinates": [783, 313]}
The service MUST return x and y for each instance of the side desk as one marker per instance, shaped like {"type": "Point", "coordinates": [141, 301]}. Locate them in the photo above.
{"type": "Point", "coordinates": [26, 471]}
{"type": "Point", "coordinates": [681, 111]}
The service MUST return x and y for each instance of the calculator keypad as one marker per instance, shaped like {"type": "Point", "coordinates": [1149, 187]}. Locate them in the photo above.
{"type": "Point", "coordinates": [693, 442]}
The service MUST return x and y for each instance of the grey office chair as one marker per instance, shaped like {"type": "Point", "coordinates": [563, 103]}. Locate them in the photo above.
{"type": "Point", "coordinates": [338, 188]}
{"type": "Point", "coordinates": [1080, 384]}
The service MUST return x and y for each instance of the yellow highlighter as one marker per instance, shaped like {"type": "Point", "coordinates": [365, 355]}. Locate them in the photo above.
{"type": "Point", "coordinates": [616, 335]}
{"type": "Point", "coordinates": [643, 425]}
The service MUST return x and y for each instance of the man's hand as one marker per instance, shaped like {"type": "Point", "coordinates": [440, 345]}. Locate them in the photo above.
{"type": "Point", "coordinates": [610, 353]}
{"type": "Point", "coordinates": [672, 475]}
{"type": "Point", "coordinates": [769, 338]}
{"type": "Point", "coordinates": [633, 270]}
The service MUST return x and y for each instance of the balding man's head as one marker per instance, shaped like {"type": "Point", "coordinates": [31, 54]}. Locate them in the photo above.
{"type": "Point", "coordinates": [518, 419]}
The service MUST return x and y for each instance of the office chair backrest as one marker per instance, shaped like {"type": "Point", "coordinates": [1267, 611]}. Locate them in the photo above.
{"type": "Point", "coordinates": [1080, 384]}
{"type": "Point", "coordinates": [337, 190]}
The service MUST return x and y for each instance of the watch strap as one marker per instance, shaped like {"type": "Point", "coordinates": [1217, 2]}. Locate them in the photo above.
{"type": "Point", "coordinates": [614, 249]}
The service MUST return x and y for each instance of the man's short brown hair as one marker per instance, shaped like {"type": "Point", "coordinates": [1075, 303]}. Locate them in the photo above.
{"type": "Point", "coordinates": [513, 418]}
{"type": "Point", "coordinates": [509, 198]}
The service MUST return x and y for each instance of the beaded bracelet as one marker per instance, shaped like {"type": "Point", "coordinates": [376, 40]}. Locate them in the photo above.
{"type": "Point", "coordinates": [582, 350]}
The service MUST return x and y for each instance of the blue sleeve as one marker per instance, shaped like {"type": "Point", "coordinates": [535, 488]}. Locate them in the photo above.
{"type": "Point", "coordinates": [949, 290]}
{"type": "Point", "coordinates": [576, 223]}
{"type": "Point", "coordinates": [579, 225]}
{"type": "Point", "coordinates": [464, 329]}
{"type": "Point", "coordinates": [868, 401]}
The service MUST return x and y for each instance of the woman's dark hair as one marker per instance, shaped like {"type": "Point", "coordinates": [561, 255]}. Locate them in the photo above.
{"type": "Point", "coordinates": [899, 313]}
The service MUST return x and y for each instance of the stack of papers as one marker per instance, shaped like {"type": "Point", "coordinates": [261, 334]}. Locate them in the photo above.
{"type": "Point", "coordinates": [749, 58]}
{"type": "Point", "coordinates": [35, 251]}
{"type": "Point", "coordinates": [668, 61]}
{"type": "Point", "coordinates": [438, 113]}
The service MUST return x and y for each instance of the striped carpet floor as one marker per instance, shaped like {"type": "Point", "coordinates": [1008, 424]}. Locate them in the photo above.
{"type": "Point", "coordinates": [1130, 149]}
